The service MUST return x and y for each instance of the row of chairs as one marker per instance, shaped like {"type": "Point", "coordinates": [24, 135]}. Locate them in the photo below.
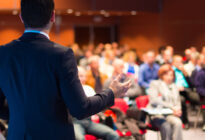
{"type": "Point", "coordinates": [141, 102]}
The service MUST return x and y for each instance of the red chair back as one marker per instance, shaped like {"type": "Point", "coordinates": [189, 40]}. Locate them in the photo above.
{"type": "Point", "coordinates": [90, 137]}
{"type": "Point", "coordinates": [121, 104]}
{"type": "Point", "coordinates": [142, 101]}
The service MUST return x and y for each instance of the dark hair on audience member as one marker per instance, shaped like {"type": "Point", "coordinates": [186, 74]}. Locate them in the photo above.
{"type": "Point", "coordinates": [164, 69]}
{"type": "Point", "coordinates": [36, 13]}
{"type": "Point", "coordinates": [161, 49]}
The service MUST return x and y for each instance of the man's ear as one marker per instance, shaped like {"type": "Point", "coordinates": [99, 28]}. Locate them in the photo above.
{"type": "Point", "coordinates": [53, 17]}
{"type": "Point", "coordinates": [21, 18]}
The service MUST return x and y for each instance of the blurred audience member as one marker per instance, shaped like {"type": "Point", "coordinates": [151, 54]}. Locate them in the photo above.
{"type": "Point", "coordinates": [134, 90]}
{"type": "Point", "coordinates": [77, 52]}
{"type": "Point", "coordinates": [200, 86]}
{"type": "Point", "coordinates": [91, 47]}
{"type": "Point", "coordinates": [99, 49]}
{"type": "Point", "coordinates": [106, 61]}
{"type": "Point", "coordinates": [131, 68]}
{"type": "Point", "coordinates": [193, 49]}
{"type": "Point", "coordinates": [166, 57]}
{"type": "Point", "coordinates": [181, 80]}
{"type": "Point", "coordinates": [159, 58]}
{"type": "Point", "coordinates": [196, 70]}
{"type": "Point", "coordinates": [187, 56]}
{"type": "Point", "coordinates": [94, 77]}
{"type": "Point", "coordinates": [148, 71]}
{"type": "Point", "coordinates": [86, 126]}
{"type": "Point", "coordinates": [84, 61]}
{"type": "Point", "coordinates": [190, 66]}
{"type": "Point", "coordinates": [203, 50]}
{"type": "Point", "coordinates": [171, 49]}
{"type": "Point", "coordinates": [116, 49]}
{"type": "Point", "coordinates": [164, 94]}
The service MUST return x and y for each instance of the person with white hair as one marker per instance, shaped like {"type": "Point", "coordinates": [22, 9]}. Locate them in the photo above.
{"type": "Point", "coordinates": [95, 78]}
{"type": "Point", "coordinates": [191, 65]}
{"type": "Point", "coordinates": [134, 90]}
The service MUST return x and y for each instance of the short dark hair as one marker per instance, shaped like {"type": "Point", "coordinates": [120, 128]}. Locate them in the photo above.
{"type": "Point", "coordinates": [36, 13]}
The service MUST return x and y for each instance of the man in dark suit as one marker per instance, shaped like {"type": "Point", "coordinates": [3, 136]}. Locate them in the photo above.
{"type": "Point", "coordinates": [40, 82]}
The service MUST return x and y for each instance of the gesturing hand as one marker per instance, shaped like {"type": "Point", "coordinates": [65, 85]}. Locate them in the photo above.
{"type": "Point", "coordinates": [119, 88]}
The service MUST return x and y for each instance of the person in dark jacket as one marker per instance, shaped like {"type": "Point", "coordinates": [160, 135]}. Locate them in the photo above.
{"type": "Point", "coordinates": [200, 86]}
{"type": "Point", "coordinates": [39, 79]}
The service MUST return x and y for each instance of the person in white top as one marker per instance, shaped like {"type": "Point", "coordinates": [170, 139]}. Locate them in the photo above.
{"type": "Point", "coordinates": [89, 91]}
{"type": "Point", "coordinates": [85, 126]}
{"type": "Point", "coordinates": [191, 65]}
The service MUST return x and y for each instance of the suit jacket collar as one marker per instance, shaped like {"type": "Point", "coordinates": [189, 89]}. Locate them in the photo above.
{"type": "Point", "coordinates": [32, 37]}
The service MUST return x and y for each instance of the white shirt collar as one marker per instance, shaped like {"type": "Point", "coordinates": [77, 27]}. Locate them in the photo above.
{"type": "Point", "coordinates": [37, 32]}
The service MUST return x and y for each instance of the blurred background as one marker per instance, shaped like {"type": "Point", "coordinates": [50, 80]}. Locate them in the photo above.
{"type": "Point", "coordinates": [141, 24]}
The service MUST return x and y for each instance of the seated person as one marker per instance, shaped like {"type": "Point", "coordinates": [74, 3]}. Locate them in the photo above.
{"type": "Point", "coordinates": [134, 90]}
{"type": "Point", "coordinates": [196, 70]}
{"type": "Point", "coordinates": [84, 61]}
{"type": "Point", "coordinates": [148, 70]}
{"type": "Point", "coordinates": [131, 68]}
{"type": "Point", "coordinates": [86, 126]}
{"type": "Point", "coordinates": [167, 57]}
{"type": "Point", "coordinates": [4, 114]}
{"type": "Point", "coordinates": [191, 65]}
{"type": "Point", "coordinates": [200, 86]}
{"type": "Point", "coordinates": [2, 137]}
{"type": "Point", "coordinates": [183, 84]}
{"type": "Point", "coordinates": [164, 93]}
{"type": "Point", "coordinates": [95, 78]}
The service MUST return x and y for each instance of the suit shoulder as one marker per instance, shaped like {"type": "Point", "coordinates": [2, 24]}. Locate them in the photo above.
{"type": "Point", "coordinates": [8, 44]}
{"type": "Point", "coordinates": [5, 46]}
{"type": "Point", "coordinates": [61, 49]}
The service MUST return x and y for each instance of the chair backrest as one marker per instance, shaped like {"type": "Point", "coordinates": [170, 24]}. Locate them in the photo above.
{"type": "Point", "coordinates": [142, 101]}
{"type": "Point", "coordinates": [121, 104]}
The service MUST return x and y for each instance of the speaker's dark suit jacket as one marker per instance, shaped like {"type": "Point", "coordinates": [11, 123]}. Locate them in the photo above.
{"type": "Point", "coordinates": [40, 82]}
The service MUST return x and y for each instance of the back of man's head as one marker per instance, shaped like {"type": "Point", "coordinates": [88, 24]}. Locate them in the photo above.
{"type": "Point", "coordinates": [36, 13]}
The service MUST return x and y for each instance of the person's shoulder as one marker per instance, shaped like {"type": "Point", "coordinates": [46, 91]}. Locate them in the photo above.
{"type": "Point", "coordinates": [156, 83]}
{"type": "Point", "coordinates": [156, 65]}
{"type": "Point", "coordinates": [201, 73]}
{"type": "Point", "coordinates": [60, 48]}
{"type": "Point", "coordinates": [7, 46]}
{"type": "Point", "coordinates": [143, 66]}
{"type": "Point", "coordinates": [55, 49]}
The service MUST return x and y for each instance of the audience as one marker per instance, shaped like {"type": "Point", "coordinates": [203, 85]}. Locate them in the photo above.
{"type": "Point", "coordinates": [164, 94]}
{"type": "Point", "coordinates": [86, 126]}
{"type": "Point", "coordinates": [148, 71]}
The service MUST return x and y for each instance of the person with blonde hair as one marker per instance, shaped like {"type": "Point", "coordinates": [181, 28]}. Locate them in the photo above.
{"type": "Point", "coordinates": [131, 68]}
